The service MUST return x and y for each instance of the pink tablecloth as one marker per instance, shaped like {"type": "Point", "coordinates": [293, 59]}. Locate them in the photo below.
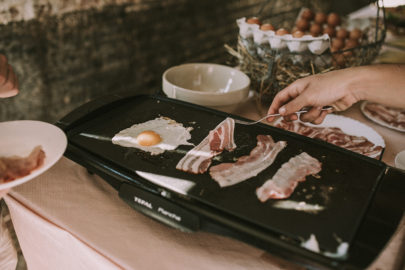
{"type": "Point", "coordinates": [68, 219]}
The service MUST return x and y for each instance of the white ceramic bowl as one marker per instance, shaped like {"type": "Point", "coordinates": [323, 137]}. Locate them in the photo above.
{"type": "Point", "coordinates": [206, 84]}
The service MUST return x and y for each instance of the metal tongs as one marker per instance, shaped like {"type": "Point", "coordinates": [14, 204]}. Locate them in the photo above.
{"type": "Point", "coordinates": [304, 110]}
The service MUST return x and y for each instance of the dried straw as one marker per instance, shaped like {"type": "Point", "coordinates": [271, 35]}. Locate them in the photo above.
{"type": "Point", "coordinates": [274, 70]}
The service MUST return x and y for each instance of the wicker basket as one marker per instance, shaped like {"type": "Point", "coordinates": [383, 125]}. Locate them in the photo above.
{"type": "Point", "coordinates": [271, 70]}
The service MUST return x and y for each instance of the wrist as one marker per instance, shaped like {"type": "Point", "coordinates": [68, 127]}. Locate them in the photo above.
{"type": "Point", "coordinates": [355, 85]}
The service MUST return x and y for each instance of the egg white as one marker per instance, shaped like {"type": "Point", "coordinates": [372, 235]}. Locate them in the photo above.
{"type": "Point", "coordinates": [172, 133]}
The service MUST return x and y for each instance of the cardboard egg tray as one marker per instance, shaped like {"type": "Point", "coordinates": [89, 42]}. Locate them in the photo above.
{"type": "Point", "coordinates": [316, 45]}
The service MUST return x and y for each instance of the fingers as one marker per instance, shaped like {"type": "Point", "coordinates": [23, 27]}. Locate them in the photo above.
{"type": "Point", "coordinates": [10, 93]}
{"type": "Point", "coordinates": [289, 93]}
{"type": "Point", "coordinates": [295, 105]}
{"type": "Point", "coordinates": [3, 69]}
{"type": "Point", "coordinates": [340, 105]}
{"type": "Point", "coordinates": [321, 117]}
{"type": "Point", "coordinates": [11, 82]}
{"type": "Point", "coordinates": [8, 80]}
{"type": "Point", "coordinates": [291, 117]}
{"type": "Point", "coordinates": [315, 115]}
{"type": "Point", "coordinates": [311, 115]}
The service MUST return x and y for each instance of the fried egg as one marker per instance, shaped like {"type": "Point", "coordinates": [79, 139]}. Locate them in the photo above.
{"type": "Point", "coordinates": [155, 136]}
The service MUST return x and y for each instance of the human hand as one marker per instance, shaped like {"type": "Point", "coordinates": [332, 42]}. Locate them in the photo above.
{"type": "Point", "coordinates": [8, 79]}
{"type": "Point", "coordinates": [316, 91]}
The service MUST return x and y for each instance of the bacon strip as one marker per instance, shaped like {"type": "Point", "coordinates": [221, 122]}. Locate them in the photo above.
{"type": "Point", "coordinates": [198, 159]}
{"type": "Point", "coordinates": [221, 137]}
{"type": "Point", "coordinates": [334, 136]}
{"type": "Point", "coordinates": [284, 182]}
{"type": "Point", "coordinates": [390, 116]}
{"type": "Point", "coordinates": [15, 167]}
{"type": "Point", "coordinates": [261, 157]}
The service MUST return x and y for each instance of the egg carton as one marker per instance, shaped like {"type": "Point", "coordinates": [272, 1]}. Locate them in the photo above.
{"type": "Point", "coordinates": [316, 45]}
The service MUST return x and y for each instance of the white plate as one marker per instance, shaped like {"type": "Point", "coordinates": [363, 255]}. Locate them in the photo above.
{"type": "Point", "coordinates": [350, 127]}
{"type": "Point", "coordinates": [20, 137]}
{"type": "Point", "coordinates": [376, 120]}
{"type": "Point", "coordinates": [400, 160]}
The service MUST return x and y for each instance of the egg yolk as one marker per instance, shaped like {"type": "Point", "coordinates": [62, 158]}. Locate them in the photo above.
{"type": "Point", "coordinates": [148, 138]}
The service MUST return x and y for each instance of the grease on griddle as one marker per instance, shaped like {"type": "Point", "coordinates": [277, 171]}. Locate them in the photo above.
{"type": "Point", "coordinates": [298, 206]}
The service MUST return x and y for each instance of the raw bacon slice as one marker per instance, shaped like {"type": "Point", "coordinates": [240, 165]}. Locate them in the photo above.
{"type": "Point", "coordinates": [392, 117]}
{"type": "Point", "coordinates": [261, 157]}
{"type": "Point", "coordinates": [222, 136]}
{"type": "Point", "coordinates": [15, 167]}
{"type": "Point", "coordinates": [198, 159]}
{"type": "Point", "coordinates": [285, 180]}
{"type": "Point", "coordinates": [334, 136]}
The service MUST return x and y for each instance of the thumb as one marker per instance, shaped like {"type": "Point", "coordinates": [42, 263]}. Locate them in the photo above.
{"type": "Point", "coordinates": [8, 93]}
{"type": "Point", "coordinates": [294, 105]}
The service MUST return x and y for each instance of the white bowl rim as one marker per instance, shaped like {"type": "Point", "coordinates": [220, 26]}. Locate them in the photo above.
{"type": "Point", "coordinates": [398, 160]}
{"type": "Point", "coordinates": [242, 88]}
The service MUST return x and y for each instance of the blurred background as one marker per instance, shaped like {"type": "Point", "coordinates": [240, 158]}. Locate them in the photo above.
{"type": "Point", "coordinates": [66, 53]}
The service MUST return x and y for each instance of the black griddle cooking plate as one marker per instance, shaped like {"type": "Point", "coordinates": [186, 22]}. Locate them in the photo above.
{"type": "Point", "coordinates": [349, 184]}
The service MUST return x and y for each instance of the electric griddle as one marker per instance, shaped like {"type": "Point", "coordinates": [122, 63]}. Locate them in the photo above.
{"type": "Point", "coordinates": [360, 200]}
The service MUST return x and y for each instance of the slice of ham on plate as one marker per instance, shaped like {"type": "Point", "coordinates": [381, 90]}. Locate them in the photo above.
{"type": "Point", "coordinates": [198, 159]}
{"type": "Point", "coordinates": [341, 131]}
{"type": "Point", "coordinates": [261, 157]}
{"type": "Point", "coordinates": [21, 139]}
{"type": "Point", "coordinates": [286, 179]}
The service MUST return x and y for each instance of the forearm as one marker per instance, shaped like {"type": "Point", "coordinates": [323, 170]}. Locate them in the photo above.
{"type": "Point", "coordinates": [384, 84]}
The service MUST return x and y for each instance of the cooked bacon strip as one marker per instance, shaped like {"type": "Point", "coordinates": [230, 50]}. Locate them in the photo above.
{"type": "Point", "coordinates": [333, 135]}
{"type": "Point", "coordinates": [198, 159]}
{"type": "Point", "coordinates": [390, 116]}
{"type": "Point", "coordinates": [15, 166]}
{"type": "Point", "coordinates": [262, 156]}
{"type": "Point", "coordinates": [285, 180]}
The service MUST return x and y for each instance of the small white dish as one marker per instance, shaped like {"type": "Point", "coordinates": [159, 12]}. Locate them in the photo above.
{"type": "Point", "coordinates": [206, 84]}
{"type": "Point", "coordinates": [400, 160]}
{"type": "Point", "coordinates": [20, 137]}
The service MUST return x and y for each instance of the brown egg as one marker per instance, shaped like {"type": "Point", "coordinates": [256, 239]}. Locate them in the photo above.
{"type": "Point", "coordinates": [315, 30]}
{"type": "Point", "coordinates": [307, 14]}
{"type": "Point", "coordinates": [330, 31]}
{"type": "Point", "coordinates": [333, 50]}
{"type": "Point", "coordinates": [342, 33]}
{"type": "Point", "coordinates": [282, 32]}
{"type": "Point", "coordinates": [355, 34]}
{"type": "Point", "coordinates": [338, 43]}
{"type": "Point", "coordinates": [320, 18]}
{"type": "Point", "coordinates": [254, 20]}
{"type": "Point", "coordinates": [148, 138]}
{"type": "Point", "coordinates": [267, 27]}
{"type": "Point", "coordinates": [298, 34]}
{"type": "Point", "coordinates": [302, 24]}
{"type": "Point", "coordinates": [339, 60]}
{"type": "Point", "coordinates": [333, 19]}
{"type": "Point", "coordinates": [352, 43]}
{"type": "Point", "coordinates": [347, 53]}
